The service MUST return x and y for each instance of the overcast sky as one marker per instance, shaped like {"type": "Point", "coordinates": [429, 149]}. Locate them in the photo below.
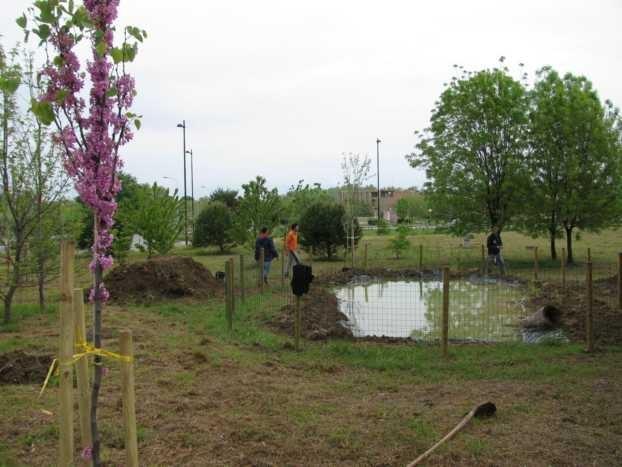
{"type": "Point", "coordinates": [283, 88]}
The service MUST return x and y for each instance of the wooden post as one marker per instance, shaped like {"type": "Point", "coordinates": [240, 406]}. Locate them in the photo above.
{"type": "Point", "coordinates": [483, 260]}
{"type": "Point", "coordinates": [620, 281]}
{"type": "Point", "coordinates": [420, 258]}
{"type": "Point", "coordinates": [589, 331]}
{"type": "Point", "coordinates": [228, 311]}
{"type": "Point", "coordinates": [242, 282]}
{"type": "Point", "coordinates": [563, 264]}
{"type": "Point", "coordinates": [535, 264]}
{"type": "Point", "coordinates": [232, 285]}
{"type": "Point", "coordinates": [129, 399]}
{"type": "Point", "coordinates": [67, 252]}
{"type": "Point", "coordinates": [589, 255]}
{"type": "Point", "coordinates": [297, 325]}
{"type": "Point", "coordinates": [262, 256]}
{"type": "Point", "coordinates": [365, 257]}
{"type": "Point", "coordinates": [445, 315]}
{"type": "Point", "coordinates": [82, 371]}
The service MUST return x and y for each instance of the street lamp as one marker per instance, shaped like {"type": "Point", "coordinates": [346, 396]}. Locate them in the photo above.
{"type": "Point", "coordinates": [191, 185]}
{"type": "Point", "coordinates": [378, 173]}
{"type": "Point", "coordinates": [183, 126]}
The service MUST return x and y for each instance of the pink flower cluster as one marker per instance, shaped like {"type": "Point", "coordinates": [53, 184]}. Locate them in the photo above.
{"type": "Point", "coordinates": [91, 141]}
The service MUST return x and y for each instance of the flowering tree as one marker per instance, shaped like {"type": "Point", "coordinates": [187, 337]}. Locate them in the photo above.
{"type": "Point", "coordinates": [90, 133]}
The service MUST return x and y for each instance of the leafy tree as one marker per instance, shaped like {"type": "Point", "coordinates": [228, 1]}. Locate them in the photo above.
{"type": "Point", "coordinates": [322, 228]}
{"type": "Point", "coordinates": [411, 207]}
{"type": "Point", "coordinates": [214, 226]}
{"type": "Point", "coordinates": [400, 243]}
{"type": "Point", "coordinates": [474, 150]}
{"type": "Point", "coordinates": [575, 160]}
{"type": "Point", "coordinates": [299, 197]}
{"type": "Point", "coordinates": [259, 207]}
{"type": "Point", "coordinates": [156, 216]}
{"type": "Point", "coordinates": [228, 197]}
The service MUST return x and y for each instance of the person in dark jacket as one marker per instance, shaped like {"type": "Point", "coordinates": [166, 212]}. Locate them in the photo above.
{"type": "Point", "coordinates": [265, 241]}
{"type": "Point", "coordinates": [494, 245]}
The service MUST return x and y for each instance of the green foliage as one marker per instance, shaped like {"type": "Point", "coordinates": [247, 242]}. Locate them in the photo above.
{"type": "Point", "coordinates": [301, 196]}
{"type": "Point", "coordinates": [575, 165]}
{"type": "Point", "coordinates": [213, 226]}
{"type": "Point", "coordinates": [400, 243]}
{"type": "Point", "coordinates": [474, 151]}
{"type": "Point", "coordinates": [382, 227]}
{"type": "Point", "coordinates": [322, 228]}
{"type": "Point", "coordinates": [156, 216]}
{"type": "Point", "coordinates": [412, 207]}
{"type": "Point", "coordinates": [259, 207]}
{"type": "Point", "coordinates": [227, 197]}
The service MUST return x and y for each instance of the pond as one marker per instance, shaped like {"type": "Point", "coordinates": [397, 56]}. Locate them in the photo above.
{"type": "Point", "coordinates": [479, 311]}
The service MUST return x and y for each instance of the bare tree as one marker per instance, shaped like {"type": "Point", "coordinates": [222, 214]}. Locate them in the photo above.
{"type": "Point", "coordinates": [355, 169]}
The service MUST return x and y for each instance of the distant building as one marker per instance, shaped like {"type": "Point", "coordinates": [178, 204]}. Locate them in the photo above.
{"type": "Point", "coordinates": [388, 199]}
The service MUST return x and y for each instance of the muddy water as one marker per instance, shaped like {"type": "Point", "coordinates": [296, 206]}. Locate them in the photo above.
{"type": "Point", "coordinates": [487, 312]}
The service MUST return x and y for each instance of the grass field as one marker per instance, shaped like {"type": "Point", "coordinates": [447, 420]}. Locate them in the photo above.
{"type": "Point", "coordinates": [208, 397]}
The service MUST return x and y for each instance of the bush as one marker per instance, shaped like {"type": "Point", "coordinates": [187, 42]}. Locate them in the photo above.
{"type": "Point", "coordinates": [400, 243]}
{"type": "Point", "coordinates": [383, 227]}
{"type": "Point", "coordinates": [214, 226]}
{"type": "Point", "coordinates": [323, 228]}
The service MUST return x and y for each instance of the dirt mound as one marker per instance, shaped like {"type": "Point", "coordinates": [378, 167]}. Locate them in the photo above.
{"type": "Point", "coordinates": [22, 368]}
{"type": "Point", "coordinates": [320, 316]}
{"type": "Point", "coordinates": [573, 306]}
{"type": "Point", "coordinates": [161, 278]}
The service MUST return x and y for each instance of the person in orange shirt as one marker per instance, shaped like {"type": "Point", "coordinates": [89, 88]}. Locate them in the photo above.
{"type": "Point", "coordinates": [291, 248]}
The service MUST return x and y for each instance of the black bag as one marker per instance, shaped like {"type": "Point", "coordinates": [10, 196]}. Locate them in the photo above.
{"type": "Point", "coordinates": [301, 279]}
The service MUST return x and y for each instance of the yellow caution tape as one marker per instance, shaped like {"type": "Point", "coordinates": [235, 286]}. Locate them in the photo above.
{"type": "Point", "coordinates": [86, 350]}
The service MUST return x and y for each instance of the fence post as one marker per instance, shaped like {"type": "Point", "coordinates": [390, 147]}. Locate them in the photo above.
{"type": "Point", "coordinates": [129, 399]}
{"type": "Point", "coordinates": [563, 265]}
{"type": "Point", "coordinates": [589, 255]}
{"type": "Point", "coordinates": [297, 325]}
{"type": "Point", "coordinates": [620, 281]}
{"type": "Point", "coordinates": [589, 331]}
{"type": "Point", "coordinates": [483, 260]}
{"type": "Point", "coordinates": [82, 370]}
{"type": "Point", "coordinates": [228, 311]}
{"type": "Point", "coordinates": [445, 315]}
{"type": "Point", "coordinates": [365, 252]}
{"type": "Point", "coordinates": [535, 264]}
{"type": "Point", "coordinates": [242, 281]}
{"type": "Point", "coordinates": [66, 347]}
{"type": "Point", "coordinates": [262, 256]}
{"type": "Point", "coordinates": [420, 258]}
{"type": "Point", "coordinates": [232, 288]}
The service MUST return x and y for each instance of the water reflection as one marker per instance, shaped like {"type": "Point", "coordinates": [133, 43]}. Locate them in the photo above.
{"type": "Point", "coordinates": [478, 311]}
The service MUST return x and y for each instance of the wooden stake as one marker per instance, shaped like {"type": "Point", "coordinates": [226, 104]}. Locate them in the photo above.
{"type": "Point", "coordinates": [365, 252]}
{"type": "Point", "coordinates": [242, 281]}
{"type": "Point", "coordinates": [620, 281]}
{"type": "Point", "coordinates": [262, 256]}
{"type": "Point", "coordinates": [589, 331]}
{"type": "Point", "coordinates": [232, 285]}
{"type": "Point", "coordinates": [483, 260]}
{"type": "Point", "coordinates": [445, 315]}
{"type": "Point", "coordinates": [535, 264]}
{"type": "Point", "coordinates": [228, 311]}
{"type": "Point", "coordinates": [82, 371]}
{"type": "Point", "coordinates": [129, 399]}
{"type": "Point", "coordinates": [563, 269]}
{"type": "Point", "coordinates": [298, 324]}
{"type": "Point", "coordinates": [420, 258]}
{"type": "Point", "coordinates": [589, 255]}
{"type": "Point", "coordinates": [66, 346]}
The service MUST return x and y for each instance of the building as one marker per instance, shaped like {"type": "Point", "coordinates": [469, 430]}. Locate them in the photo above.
{"type": "Point", "coordinates": [388, 199]}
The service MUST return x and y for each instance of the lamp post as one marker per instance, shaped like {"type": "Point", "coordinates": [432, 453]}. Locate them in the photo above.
{"type": "Point", "coordinates": [378, 173]}
{"type": "Point", "coordinates": [183, 127]}
{"type": "Point", "coordinates": [191, 186]}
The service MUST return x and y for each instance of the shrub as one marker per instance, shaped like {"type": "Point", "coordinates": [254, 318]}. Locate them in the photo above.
{"type": "Point", "coordinates": [400, 243]}
{"type": "Point", "coordinates": [323, 228]}
{"type": "Point", "coordinates": [214, 226]}
{"type": "Point", "coordinates": [383, 227]}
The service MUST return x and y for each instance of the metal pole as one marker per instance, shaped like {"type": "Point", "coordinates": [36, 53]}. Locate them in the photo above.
{"type": "Point", "coordinates": [378, 174]}
{"type": "Point", "coordinates": [192, 187]}
{"type": "Point", "coordinates": [183, 126]}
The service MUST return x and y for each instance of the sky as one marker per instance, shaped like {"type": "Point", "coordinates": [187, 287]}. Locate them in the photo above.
{"type": "Point", "coordinates": [283, 88]}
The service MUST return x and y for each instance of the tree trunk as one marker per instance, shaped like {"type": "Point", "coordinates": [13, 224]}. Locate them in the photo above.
{"type": "Point", "coordinates": [552, 241]}
{"type": "Point", "coordinates": [570, 259]}
{"type": "Point", "coordinates": [8, 304]}
{"type": "Point", "coordinates": [97, 341]}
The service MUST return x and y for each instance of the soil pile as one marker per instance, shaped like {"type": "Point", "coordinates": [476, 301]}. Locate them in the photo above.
{"type": "Point", "coordinates": [573, 305]}
{"type": "Point", "coordinates": [160, 279]}
{"type": "Point", "coordinates": [320, 316]}
{"type": "Point", "coordinates": [22, 368]}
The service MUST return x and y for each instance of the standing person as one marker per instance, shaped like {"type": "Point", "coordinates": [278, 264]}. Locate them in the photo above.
{"type": "Point", "coordinates": [265, 241]}
{"type": "Point", "coordinates": [291, 248]}
{"type": "Point", "coordinates": [494, 245]}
